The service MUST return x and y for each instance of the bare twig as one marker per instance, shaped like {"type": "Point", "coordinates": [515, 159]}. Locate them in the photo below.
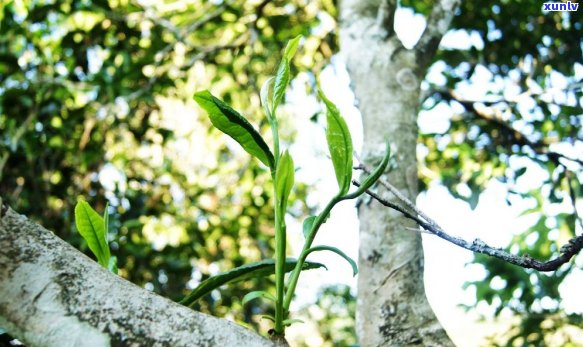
{"type": "Point", "coordinates": [568, 250]}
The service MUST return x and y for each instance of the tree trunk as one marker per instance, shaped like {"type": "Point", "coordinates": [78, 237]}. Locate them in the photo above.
{"type": "Point", "coordinates": [53, 295]}
{"type": "Point", "coordinates": [392, 309]}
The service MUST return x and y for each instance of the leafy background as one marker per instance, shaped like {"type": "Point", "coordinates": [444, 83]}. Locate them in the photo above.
{"type": "Point", "coordinates": [96, 101]}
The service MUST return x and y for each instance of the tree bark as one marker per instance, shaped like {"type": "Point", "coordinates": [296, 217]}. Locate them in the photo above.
{"type": "Point", "coordinates": [53, 295]}
{"type": "Point", "coordinates": [392, 309]}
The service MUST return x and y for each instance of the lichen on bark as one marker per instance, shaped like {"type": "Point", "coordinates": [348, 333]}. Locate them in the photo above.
{"type": "Point", "coordinates": [53, 295]}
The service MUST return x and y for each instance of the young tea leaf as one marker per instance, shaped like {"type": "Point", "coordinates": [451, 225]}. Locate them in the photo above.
{"type": "Point", "coordinates": [284, 179]}
{"type": "Point", "coordinates": [262, 268]}
{"type": "Point", "coordinates": [282, 76]}
{"type": "Point", "coordinates": [292, 47]}
{"type": "Point", "coordinates": [236, 126]}
{"type": "Point", "coordinates": [257, 294]}
{"type": "Point", "coordinates": [308, 223]}
{"type": "Point", "coordinates": [337, 251]}
{"type": "Point", "coordinates": [374, 176]}
{"type": "Point", "coordinates": [281, 82]}
{"type": "Point", "coordinates": [340, 145]}
{"type": "Point", "coordinates": [264, 95]}
{"type": "Point", "coordinates": [91, 226]}
{"type": "Point", "coordinates": [112, 265]}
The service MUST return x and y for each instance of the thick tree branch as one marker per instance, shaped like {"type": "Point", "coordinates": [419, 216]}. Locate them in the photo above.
{"type": "Point", "coordinates": [438, 23]}
{"type": "Point", "coordinates": [52, 295]}
{"type": "Point", "coordinates": [386, 16]}
{"type": "Point", "coordinates": [376, 18]}
{"type": "Point", "coordinates": [411, 211]}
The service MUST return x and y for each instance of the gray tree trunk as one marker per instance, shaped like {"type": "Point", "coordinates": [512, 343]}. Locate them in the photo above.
{"type": "Point", "coordinates": [392, 309]}
{"type": "Point", "coordinates": [53, 295]}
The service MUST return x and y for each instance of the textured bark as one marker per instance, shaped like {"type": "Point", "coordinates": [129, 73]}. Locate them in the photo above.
{"type": "Point", "coordinates": [53, 295]}
{"type": "Point", "coordinates": [392, 309]}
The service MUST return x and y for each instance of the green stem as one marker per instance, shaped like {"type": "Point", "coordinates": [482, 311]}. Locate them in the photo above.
{"type": "Point", "coordinates": [275, 134]}
{"type": "Point", "coordinates": [280, 239]}
{"type": "Point", "coordinates": [279, 266]}
{"type": "Point", "coordinates": [293, 281]}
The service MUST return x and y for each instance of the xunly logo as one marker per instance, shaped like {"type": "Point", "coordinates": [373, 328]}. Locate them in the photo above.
{"type": "Point", "coordinates": [560, 6]}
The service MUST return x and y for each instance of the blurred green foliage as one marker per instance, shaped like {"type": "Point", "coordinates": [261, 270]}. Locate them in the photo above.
{"type": "Point", "coordinates": [524, 130]}
{"type": "Point", "coordinates": [96, 101]}
{"type": "Point", "coordinates": [332, 313]}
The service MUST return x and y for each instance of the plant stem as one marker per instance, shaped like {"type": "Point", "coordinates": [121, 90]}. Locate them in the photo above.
{"type": "Point", "coordinates": [280, 240]}
{"type": "Point", "coordinates": [275, 134]}
{"type": "Point", "coordinates": [293, 281]}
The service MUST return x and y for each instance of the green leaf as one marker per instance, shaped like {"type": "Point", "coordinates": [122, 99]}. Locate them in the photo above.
{"type": "Point", "coordinates": [112, 262]}
{"type": "Point", "coordinates": [282, 76]}
{"type": "Point", "coordinates": [292, 47]}
{"type": "Point", "coordinates": [112, 265]}
{"type": "Point", "coordinates": [284, 179]}
{"type": "Point", "coordinates": [340, 145]}
{"type": "Point", "coordinates": [374, 176]}
{"type": "Point", "coordinates": [262, 268]}
{"type": "Point", "coordinates": [520, 172]}
{"type": "Point", "coordinates": [91, 226]}
{"type": "Point", "coordinates": [106, 220]}
{"type": "Point", "coordinates": [281, 82]}
{"type": "Point", "coordinates": [337, 251]}
{"type": "Point", "coordinates": [288, 322]}
{"type": "Point", "coordinates": [308, 223]}
{"type": "Point", "coordinates": [264, 95]}
{"type": "Point", "coordinates": [257, 294]}
{"type": "Point", "coordinates": [236, 126]}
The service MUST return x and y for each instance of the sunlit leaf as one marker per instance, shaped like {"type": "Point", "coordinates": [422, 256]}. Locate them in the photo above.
{"type": "Point", "coordinates": [339, 144]}
{"type": "Point", "coordinates": [262, 268]}
{"type": "Point", "coordinates": [282, 77]}
{"type": "Point", "coordinates": [112, 265]}
{"type": "Point", "coordinates": [292, 47]}
{"type": "Point", "coordinates": [264, 95]}
{"type": "Point", "coordinates": [284, 179]}
{"type": "Point", "coordinates": [91, 226]}
{"type": "Point", "coordinates": [236, 126]}
{"type": "Point", "coordinates": [281, 82]}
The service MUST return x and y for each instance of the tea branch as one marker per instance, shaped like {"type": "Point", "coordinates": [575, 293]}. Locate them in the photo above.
{"type": "Point", "coordinates": [409, 210]}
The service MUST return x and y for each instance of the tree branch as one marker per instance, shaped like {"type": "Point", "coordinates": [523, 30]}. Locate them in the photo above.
{"type": "Point", "coordinates": [539, 147]}
{"type": "Point", "coordinates": [386, 16]}
{"type": "Point", "coordinates": [567, 251]}
{"type": "Point", "coordinates": [52, 295]}
{"type": "Point", "coordinates": [437, 24]}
